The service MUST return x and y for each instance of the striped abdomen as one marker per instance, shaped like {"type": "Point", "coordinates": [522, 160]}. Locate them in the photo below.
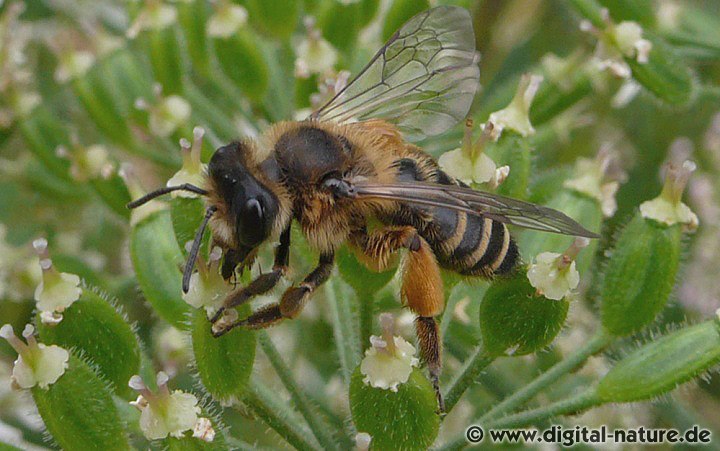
{"type": "Point", "coordinates": [468, 244]}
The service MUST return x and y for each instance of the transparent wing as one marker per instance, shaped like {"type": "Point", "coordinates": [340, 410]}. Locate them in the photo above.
{"type": "Point", "coordinates": [498, 208]}
{"type": "Point", "coordinates": [423, 79]}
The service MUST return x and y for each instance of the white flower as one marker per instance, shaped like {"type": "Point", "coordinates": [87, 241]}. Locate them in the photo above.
{"type": "Point", "coordinates": [163, 412]}
{"type": "Point", "coordinates": [227, 20]}
{"type": "Point", "coordinates": [617, 42]}
{"type": "Point", "coordinates": [549, 279]}
{"type": "Point", "coordinates": [154, 16]}
{"type": "Point", "coordinates": [56, 291]}
{"type": "Point", "coordinates": [192, 171]}
{"type": "Point", "coordinates": [516, 116]}
{"type": "Point", "coordinates": [207, 287]}
{"type": "Point", "coordinates": [717, 313]}
{"type": "Point", "coordinates": [389, 361]}
{"type": "Point", "coordinates": [169, 114]}
{"type": "Point", "coordinates": [314, 54]}
{"type": "Point", "coordinates": [37, 364]}
{"type": "Point", "coordinates": [73, 65]}
{"type": "Point", "coordinates": [590, 180]}
{"type": "Point", "coordinates": [668, 207]}
{"type": "Point", "coordinates": [469, 163]}
{"type": "Point", "coordinates": [91, 162]}
{"type": "Point", "coordinates": [554, 275]}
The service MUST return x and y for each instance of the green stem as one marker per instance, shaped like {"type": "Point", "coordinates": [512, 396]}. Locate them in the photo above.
{"type": "Point", "coordinates": [366, 307]}
{"type": "Point", "coordinates": [276, 414]}
{"type": "Point", "coordinates": [569, 406]}
{"type": "Point", "coordinates": [596, 344]}
{"type": "Point", "coordinates": [467, 376]}
{"type": "Point", "coordinates": [319, 427]}
{"type": "Point", "coordinates": [591, 10]}
{"type": "Point", "coordinates": [347, 340]}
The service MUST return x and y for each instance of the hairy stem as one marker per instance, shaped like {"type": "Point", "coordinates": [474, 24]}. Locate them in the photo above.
{"type": "Point", "coordinates": [569, 406]}
{"type": "Point", "coordinates": [275, 413]}
{"type": "Point", "coordinates": [466, 376]}
{"type": "Point", "coordinates": [319, 427]}
{"type": "Point", "coordinates": [596, 344]}
{"type": "Point", "coordinates": [343, 321]}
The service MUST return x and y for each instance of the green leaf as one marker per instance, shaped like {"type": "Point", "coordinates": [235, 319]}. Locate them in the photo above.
{"type": "Point", "coordinates": [278, 18]}
{"type": "Point", "coordinates": [406, 419]}
{"type": "Point", "coordinates": [165, 59]}
{"type": "Point", "coordinates": [224, 363]}
{"type": "Point", "coordinates": [639, 275]}
{"type": "Point", "coordinates": [93, 326]}
{"type": "Point", "coordinates": [157, 259]}
{"type": "Point", "coordinates": [79, 412]}
{"type": "Point", "coordinates": [665, 75]}
{"type": "Point", "coordinates": [242, 61]}
{"type": "Point", "coordinates": [514, 320]}
{"type": "Point", "coordinates": [186, 215]}
{"type": "Point", "coordinates": [662, 365]}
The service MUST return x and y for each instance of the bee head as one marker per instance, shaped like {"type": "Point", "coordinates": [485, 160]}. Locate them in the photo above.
{"type": "Point", "coordinates": [252, 205]}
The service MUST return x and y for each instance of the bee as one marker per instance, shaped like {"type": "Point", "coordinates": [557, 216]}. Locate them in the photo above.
{"type": "Point", "coordinates": [351, 164]}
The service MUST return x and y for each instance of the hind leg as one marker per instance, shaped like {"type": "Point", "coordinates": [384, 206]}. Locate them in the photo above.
{"type": "Point", "coordinates": [422, 292]}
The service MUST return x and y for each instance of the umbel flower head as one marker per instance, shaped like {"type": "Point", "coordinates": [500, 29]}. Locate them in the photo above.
{"type": "Point", "coordinates": [57, 290]}
{"type": "Point", "coordinates": [554, 275]}
{"type": "Point", "coordinates": [470, 163]}
{"type": "Point", "coordinates": [166, 413]}
{"type": "Point", "coordinates": [390, 360]}
{"type": "Point", "coordinates": [37, 364]}
{"type": "Point", "coordinates": [207, 287]}
{"type": "Point", "coordinates": [192, 171]}
{"type": "Point", "coordinates": [668, 207]}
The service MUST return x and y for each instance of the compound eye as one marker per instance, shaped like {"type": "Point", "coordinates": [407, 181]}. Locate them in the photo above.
{"type": "Point", "coordinates": [254, 210]}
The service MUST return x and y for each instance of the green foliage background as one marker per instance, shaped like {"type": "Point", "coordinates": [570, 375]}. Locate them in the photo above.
{"type": "Point", "coordinates": [237, 85]}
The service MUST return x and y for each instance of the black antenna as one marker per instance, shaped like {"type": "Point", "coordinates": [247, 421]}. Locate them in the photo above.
{"type": "Point", "coordinates": [195, 249]}
{"type": "Point", "coordinates": [165, 190]}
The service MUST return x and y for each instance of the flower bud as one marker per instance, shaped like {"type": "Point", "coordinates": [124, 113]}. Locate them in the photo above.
{"type": "Point", "coordinates": [516, 320]}
{"type": "Point", "coordinates": [37, 364]}
{"type": "Point", "coordinates": [167, 114]}
{"type": "Point", "coordinates": [590, 180]}
{"type": "Point", "coordinates": [661, 365]}
{"type": "Point", "coordinates": [386, 389]}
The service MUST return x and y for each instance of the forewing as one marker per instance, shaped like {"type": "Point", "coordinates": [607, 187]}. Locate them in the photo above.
{"type": "Point", "coordinates": [498, 208]}
{"type": "Point", "coordinates": [423, 79]}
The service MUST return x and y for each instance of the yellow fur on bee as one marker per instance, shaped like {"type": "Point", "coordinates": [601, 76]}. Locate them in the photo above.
{"type": "Point", "coordinates": [422, 286]}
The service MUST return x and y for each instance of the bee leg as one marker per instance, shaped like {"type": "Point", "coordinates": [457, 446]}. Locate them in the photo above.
{"type": "Point", "coordinates": [378, 246]}
{"type": "Point", "coordinates": [422, 292]}
{"type": "Point", "coordinates": [429, 342]}
{"type": "Point", "coordinates": [289, 306]}
{"type": "Point", "coordinates": [263, 283]}
{"type": "Point", "coordinates": [295, 298]}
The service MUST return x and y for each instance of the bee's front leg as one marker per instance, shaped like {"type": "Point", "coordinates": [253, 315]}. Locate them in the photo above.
{"type": "Point", "coordinates": [289, 306]}
{"type": "Point", "coordinates": [260, 285]}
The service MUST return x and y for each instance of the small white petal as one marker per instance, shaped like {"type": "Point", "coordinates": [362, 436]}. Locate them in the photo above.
{"type": "Point", "coordinates": [386, 370]}
{"type": "Point", "coordinates": [48, 364]}
{"type": "Point", "coordinates": [227, 21]}
{"type": "Point", "coordinates": [549, 279]}
{"type": "Point", "coordinates": [57, 294]}
{"type": "Point", "coordinates": [362, 441]}
{"type": "Point", "coordinates": [203, 430]}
